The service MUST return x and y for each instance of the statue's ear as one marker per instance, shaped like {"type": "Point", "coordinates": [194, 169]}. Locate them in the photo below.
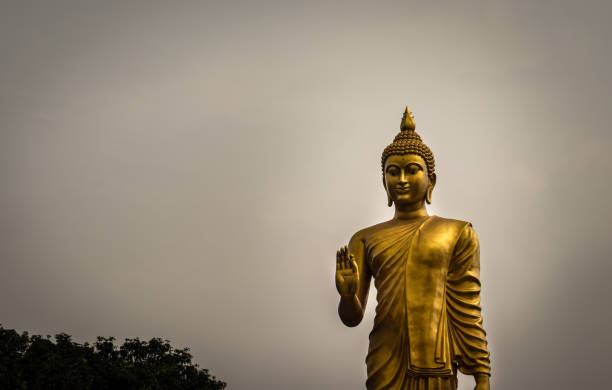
{"type": "Point", "coordinates": [389, 200]}
{"type": "Point", "coordinates": [430, 187]}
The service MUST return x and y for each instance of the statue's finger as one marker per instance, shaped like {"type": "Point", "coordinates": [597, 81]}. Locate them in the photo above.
{"type": "Point", "coordinates": [346, 257]}
{"type": "Point", "coordinates": [343, 264]}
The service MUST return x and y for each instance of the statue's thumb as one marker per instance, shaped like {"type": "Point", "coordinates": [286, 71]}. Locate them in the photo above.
{"type": "Point", "coordinates": [355, 268]}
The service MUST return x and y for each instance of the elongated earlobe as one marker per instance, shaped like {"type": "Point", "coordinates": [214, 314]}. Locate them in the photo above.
{"type": "Point", "coordinates": [430, 188]}
{"type": "Point", "coordinates": [389, 200]}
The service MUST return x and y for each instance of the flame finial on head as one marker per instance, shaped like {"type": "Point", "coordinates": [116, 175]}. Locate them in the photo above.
{"type": "Point", "coordinates": [408, 121]}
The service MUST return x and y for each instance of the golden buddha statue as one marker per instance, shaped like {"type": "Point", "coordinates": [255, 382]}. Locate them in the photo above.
{"type": "Point", "coordinates": [426, 271]}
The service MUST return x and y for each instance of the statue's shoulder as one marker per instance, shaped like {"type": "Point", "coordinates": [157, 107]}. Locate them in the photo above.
{"type": "Point", "coordinates": [449, 222]}
{"type": "Point", "coordinates": [364, 233]}
{"type": "Point", "coordinates": [451, 227]}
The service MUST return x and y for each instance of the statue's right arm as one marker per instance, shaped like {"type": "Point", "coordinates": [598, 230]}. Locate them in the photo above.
{"type": "Point", "coordinates": [352, 307]}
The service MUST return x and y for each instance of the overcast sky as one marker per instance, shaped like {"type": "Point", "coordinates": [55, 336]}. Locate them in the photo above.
{"type": "Point", "coordinates": [187, 170]}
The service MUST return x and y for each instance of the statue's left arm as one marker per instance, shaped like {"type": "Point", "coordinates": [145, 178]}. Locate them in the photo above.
{"type": "Point", "coordinates": [468, 336]}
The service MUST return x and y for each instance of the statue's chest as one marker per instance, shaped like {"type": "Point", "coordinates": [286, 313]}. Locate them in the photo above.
{"type": "Point", "coordinates": [415, 254]}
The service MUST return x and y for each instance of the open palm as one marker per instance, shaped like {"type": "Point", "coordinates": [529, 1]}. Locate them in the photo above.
{"type": "Point", "coordinates": [347, 272]}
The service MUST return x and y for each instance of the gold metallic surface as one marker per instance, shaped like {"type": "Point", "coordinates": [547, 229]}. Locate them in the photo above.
{"type": "Point", "coordinates": [426, 271]}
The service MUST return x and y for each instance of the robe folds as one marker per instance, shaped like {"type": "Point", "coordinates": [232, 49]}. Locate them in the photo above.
{"type": "Point", "coordinates": [428, 321]}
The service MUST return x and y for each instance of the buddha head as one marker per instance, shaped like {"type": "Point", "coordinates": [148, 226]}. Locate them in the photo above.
{"type": "Point", "coordinates": [408, 167]}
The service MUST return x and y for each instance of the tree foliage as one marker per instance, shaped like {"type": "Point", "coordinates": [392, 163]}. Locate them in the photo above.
{"type": "Point", "coordinates": [37, 363]}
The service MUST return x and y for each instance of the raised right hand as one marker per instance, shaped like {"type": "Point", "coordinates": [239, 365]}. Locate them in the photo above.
{"type": "Point", "coordinates": [347, 272]}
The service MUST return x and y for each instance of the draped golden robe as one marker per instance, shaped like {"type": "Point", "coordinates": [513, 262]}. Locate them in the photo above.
{"type": "Point", "coordinates": [428, 322]}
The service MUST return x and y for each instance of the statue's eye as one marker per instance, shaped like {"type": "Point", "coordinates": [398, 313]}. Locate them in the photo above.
{"type": "Point", "coordinates": [412, 169]}
{"type": "Point", "coordinates": [392, 171]}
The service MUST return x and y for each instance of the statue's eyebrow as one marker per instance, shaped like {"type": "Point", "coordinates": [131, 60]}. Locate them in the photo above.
{"type": "Point", "coordinates": [392, 166]}
{"type": "Point", "coordinates": [414, 163]}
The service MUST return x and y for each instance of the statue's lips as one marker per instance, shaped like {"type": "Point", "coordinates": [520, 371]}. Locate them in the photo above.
{"type": "Point", "coordinates": [402, 190]}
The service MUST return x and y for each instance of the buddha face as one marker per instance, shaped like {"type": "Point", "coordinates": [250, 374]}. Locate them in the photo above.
{"type": "Point", "coordinates": [406, 179]}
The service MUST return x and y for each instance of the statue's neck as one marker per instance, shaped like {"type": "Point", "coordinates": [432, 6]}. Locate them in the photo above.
{"type": "Point", "coordinates": [410, 211]}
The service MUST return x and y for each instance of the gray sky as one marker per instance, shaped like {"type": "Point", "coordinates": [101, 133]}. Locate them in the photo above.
{"type": "Point", "coordinates": [187, 170]}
